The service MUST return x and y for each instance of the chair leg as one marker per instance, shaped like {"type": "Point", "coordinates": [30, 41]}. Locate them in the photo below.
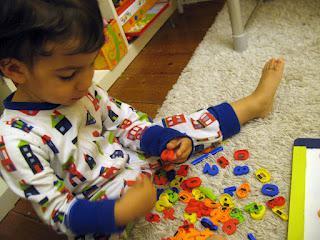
{"type": "Point", "coordinates": [240, 42]}
{"type": "Point", "coordinates": [180, 6]}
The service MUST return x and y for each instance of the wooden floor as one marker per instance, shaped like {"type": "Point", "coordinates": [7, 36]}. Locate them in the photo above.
{"type": "Point", "coordinates": [144, 85]}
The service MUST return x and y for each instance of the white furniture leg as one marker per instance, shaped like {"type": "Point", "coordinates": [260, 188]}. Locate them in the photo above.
{"type": "Point", "coordinates": [180, 6]}
{"type": "Point", "coordinates": [7, 199]}
{"type": "Point", "coordinates": [240, 42]}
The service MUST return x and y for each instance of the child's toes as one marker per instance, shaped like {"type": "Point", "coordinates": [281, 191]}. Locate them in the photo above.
{"type": "Point", "coordinates": [273, 64]}
{"type": "Point", "coordinates": [279, 64]}
{"type": "Point", "coordinates": [267, 65]}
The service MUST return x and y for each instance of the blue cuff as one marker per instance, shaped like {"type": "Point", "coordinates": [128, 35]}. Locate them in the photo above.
{"type": "Point", "coordinates": [86, 217]}
{"type": "Point", "coordinates": [227, 118]}
{"type": "Point", "coordinates": [154, 140]}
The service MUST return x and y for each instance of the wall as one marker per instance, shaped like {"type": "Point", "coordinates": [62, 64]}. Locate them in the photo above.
{"type": "Point", "coordinates": [7, 198]}
{"type": "Point", "coordinates": [4, 92]}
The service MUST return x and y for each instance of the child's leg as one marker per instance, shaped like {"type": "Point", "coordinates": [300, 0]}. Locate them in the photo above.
{"type": "Point", "coordinates": [257, 104]}
{"type": "Point", "coordinates": [202, 126]}
{"type": "Point", "coordinates": [260, 102]}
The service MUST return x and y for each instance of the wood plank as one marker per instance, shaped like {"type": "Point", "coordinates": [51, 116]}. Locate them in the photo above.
{"type": "Point", "coordinates": [146, 88]}
{"type": "Point", "coordinates": [189, 29]}
{"type": "Point", "coordinates": [167, 42]}
{"type": "Point", "coordinates": [165, 63]}
{"type": "Point", "coordinates": [198, 16]}
{"type": "Point", "coordinates": [25, 208]}
{"type": "Point", "coordinates": [150, 109]}
{"type": "Point", "coordinates": [16, 226]}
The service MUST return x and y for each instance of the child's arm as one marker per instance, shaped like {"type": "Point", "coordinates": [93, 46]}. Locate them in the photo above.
{"type": "Point", "coordinates": [28, 173]}
{"type": "Point", "coordinates": [31, 177]}
{"type": "Point", "coordinates": [134, 129]}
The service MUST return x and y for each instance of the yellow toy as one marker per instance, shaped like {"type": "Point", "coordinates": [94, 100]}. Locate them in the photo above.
{"type": "Point", "coordinates": [198, 195]}
{"type": "Point", "coordinates": [163, 203]}
{"type": "Point", "coordinates": [191, 217]}
{"type": "Point", "coordinates": [263, 175]}
{"type": "Point", "coordinates": [177, 181]}
{"type": "Point", "coordinates": [280, 213]}
{"type": "Point", "coordinates": [226, 200]}
{"type": "Point", "coordinates": [258, 215]}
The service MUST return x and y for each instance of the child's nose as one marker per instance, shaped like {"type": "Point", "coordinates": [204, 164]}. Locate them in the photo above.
{"type": "Point", "coordinates": [85, 81]}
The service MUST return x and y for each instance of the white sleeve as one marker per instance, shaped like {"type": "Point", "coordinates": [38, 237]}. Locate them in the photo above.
{"type": "Point", "coordinates": [122, 121]}
{"type": "Point", "coordinates": [26, 169]}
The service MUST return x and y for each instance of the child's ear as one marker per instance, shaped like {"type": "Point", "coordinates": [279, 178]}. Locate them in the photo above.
{"type": "Point", "coordinates": [14, 69]}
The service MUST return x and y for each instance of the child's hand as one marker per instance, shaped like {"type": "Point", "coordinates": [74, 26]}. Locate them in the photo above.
{"type": "Point", "coordinates": [182, 147]}
{"type": "Point", "coordinates": [136, 202]}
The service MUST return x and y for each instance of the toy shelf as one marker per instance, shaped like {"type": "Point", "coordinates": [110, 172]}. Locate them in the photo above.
{"type": "Point", "coordinates": [106, 78]}
{"type": "Point", "coordinates": [150, 16]}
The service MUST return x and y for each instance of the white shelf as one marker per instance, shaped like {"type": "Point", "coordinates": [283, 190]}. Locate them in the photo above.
{"type": "Point", "coordinates": [7, 199]}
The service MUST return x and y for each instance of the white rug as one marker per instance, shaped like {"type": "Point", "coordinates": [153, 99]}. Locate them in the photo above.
{"type": "Point", "coordinates": [216, 73]}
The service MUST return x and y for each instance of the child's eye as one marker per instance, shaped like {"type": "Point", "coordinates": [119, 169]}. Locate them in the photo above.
{"type": "Point", "coordinates": [67, 78]}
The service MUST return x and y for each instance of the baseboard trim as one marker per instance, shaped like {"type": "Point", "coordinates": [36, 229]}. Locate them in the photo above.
{"type": "Point", "coordinates": [7, 199]}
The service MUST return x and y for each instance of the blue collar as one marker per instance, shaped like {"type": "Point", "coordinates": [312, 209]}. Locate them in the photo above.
{"type": "Point", "coordinates": [8, 104]}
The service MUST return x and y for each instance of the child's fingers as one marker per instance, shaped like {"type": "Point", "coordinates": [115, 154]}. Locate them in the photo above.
{"type": "Point", "coordinates": [182, 157]}
{"type": "Point", "coordinates": [174, 143]}
{"type": "Point", "coordinates": [184, 147]}
{"type": "Point", "coordinates": [146, 181]}
{"type": "Point", "coordinates": [139, 181]}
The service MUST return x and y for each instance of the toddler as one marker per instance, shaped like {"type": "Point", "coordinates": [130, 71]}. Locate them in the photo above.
{"type": "Point", "coordinates": [82, 158]}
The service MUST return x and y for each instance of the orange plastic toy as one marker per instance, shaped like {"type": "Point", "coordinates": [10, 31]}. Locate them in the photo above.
{"type": "Point", "coordinates": [243, 190]}
{"type": "Point", "coordinates": [185, 196]}
{"type": "Point", "coordinates": [168, 155]}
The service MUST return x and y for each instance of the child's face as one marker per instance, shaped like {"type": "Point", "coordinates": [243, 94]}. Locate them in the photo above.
{"type": "Point", "coordinates": [59, 78]}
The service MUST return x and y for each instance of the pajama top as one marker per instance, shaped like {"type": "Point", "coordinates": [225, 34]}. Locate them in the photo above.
{"type": "Point", "coordinates": [58, 157]}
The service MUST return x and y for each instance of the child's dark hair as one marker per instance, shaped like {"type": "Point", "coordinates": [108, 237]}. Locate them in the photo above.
{"type": "Point", "coordinates": [27, 25]}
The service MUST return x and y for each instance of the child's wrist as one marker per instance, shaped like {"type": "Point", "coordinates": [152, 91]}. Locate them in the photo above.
{"type": "Point", "coordinates": [122, 213]}
{"type": "Point", "coordinates": [119, 215]}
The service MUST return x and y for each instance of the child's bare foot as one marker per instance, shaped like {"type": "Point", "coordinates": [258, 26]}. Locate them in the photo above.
{"type": "Point", "coordinates": [260, 102]}
{"type": "Point", "coordinates": [268, 85]}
